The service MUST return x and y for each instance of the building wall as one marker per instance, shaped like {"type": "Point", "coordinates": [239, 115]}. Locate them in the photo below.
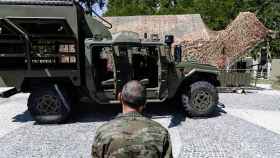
{"type": "Point", "coordinates": [276, 70]}
{"type": "Point", "coordinates": [183, 27]}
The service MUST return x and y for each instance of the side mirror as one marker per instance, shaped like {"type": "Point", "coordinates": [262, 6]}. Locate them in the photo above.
{"type": "Point", "coordinates": [169, 39]}
{"type": "Point", "coordinates": [145, 81]}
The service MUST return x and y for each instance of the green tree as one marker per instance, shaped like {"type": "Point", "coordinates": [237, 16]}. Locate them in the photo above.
{"type": "Point", "coordinates": [131, 7]}
{"type": "Point", "coordinates": [269, 13]}
{"type": "Point", "coordinates": [216, 14]}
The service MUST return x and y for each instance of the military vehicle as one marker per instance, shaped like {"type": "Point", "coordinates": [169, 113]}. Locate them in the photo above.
{"type": "Point", "coordinates": [61, 56]}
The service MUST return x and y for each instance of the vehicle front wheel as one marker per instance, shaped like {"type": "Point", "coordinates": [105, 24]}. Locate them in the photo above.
{"type": "Point", "coordinates": [49, 105]}
{"type": "Point", "coordinates": [200, 99]}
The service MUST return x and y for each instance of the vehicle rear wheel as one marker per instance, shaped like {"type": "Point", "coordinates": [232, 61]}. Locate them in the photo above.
{"type": "Point", "coordinates": [49, 105]}
{"type": "Point", "coordinates": [201, 99]}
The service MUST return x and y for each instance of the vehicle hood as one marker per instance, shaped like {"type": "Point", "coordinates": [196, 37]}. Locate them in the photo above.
{"type": "Point", "coordinates": [189, 66]}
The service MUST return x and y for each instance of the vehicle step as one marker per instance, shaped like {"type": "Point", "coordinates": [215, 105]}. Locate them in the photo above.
{"type": "Point", "coordinates": [8, 93]}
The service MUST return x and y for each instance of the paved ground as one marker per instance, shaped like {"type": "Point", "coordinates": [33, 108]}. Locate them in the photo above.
{"type": "Point", "coordinates": [247, 127]}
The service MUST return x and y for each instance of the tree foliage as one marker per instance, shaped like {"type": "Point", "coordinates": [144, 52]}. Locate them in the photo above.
{"type": "Point", "coordinates": [131, 7]}
{"type": "Point", "coordinates": [268, 11]}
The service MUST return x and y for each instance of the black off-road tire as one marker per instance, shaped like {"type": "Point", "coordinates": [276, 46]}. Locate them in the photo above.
{"type": "Point", "coordinates": [201, 99]}
{"type": "Point", "coordinates": [50, 105]}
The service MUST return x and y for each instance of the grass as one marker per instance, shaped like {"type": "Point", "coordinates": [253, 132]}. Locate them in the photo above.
{"type": "Point", "coordinates": [260, 81]}
{"type": "Point", "coordinates": [275, 84]}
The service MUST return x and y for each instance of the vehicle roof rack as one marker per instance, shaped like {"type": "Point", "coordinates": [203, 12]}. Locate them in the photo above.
{"type": "Point", "coordinates": [38, 2]}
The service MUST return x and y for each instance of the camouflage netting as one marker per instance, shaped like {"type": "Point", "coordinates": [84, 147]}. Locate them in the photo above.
{"type": "Point", "coordinates": [226, 46]}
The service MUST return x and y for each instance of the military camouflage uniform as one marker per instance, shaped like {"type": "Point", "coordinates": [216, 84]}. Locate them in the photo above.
{"type": "Point", "coordinates": [131, 135]}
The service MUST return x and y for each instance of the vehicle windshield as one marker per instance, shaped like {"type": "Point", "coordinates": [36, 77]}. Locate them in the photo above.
{"type": "Point", "coordinates": [140, 59]}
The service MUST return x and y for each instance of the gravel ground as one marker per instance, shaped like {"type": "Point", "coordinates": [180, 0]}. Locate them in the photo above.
{"type": "Point", "coordinates": [227, 136]}
{"type": "Point", "coordinates": [71, 140]}
{"type": "Point", "coordinates": [220, 136]}
{"type": "Point", "coordinates": [13, 113]}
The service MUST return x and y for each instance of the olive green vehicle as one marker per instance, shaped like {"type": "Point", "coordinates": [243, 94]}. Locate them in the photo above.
{"type": "Point", "coordinates": [60, 55]}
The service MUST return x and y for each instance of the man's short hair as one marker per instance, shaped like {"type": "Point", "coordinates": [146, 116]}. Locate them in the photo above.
{"type": "Point", "coordinates": [134, 94]}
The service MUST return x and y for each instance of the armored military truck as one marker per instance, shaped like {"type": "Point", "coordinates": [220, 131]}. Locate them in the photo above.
{"type": "Point", "coordinates": [61, 56]}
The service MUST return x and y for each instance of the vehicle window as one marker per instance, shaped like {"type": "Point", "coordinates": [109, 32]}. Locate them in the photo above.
{"type": "Point", "coordinates": [166, 53]}
{"type": "Point", "coordinates": [138, 63]}
{"type": "Point", "coordinates": [103, 63]}
{"type": "Point", "coordinates": [163, 51]}
{"type": "Point", "coordinates": [145, 64]}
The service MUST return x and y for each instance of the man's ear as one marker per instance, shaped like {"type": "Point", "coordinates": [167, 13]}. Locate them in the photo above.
{"type": "Point", "coordinates": [141, 108]}
{"type": "Point", "coordinates": [120, 97]}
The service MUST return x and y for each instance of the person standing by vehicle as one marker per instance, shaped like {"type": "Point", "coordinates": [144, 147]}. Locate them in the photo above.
{"type": "Point", "coordinates": [130, 134]}
{"type": "Point", "coordinates": [264, 57]}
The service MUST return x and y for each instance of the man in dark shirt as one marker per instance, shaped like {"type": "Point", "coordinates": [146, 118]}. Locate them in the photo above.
{"type": "Point", "coordinates": [131, 135]}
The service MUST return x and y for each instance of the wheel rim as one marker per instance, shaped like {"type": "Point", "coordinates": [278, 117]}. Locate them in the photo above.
{"type": "Point", "coordinates": [201, 101]}
{"type": "Point", "coordinates": [48, 105]}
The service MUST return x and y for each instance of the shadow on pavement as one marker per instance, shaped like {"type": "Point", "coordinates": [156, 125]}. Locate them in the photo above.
{"type": "Point", "coordinates": [101, 113]}
{"type": "Point", "coordinates": [94, 113]}
{"type": "Point", "coordinates": [176, 119]}
{"type": "Point", "coordinates": [23, 117]}
{"type": "Point", "coordinates": [87, 112]}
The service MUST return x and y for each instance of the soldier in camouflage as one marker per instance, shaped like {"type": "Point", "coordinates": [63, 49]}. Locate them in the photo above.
{"type": "Point", "coordinates": [131, 135]}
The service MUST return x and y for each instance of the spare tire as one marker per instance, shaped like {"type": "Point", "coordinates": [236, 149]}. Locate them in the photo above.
{"type": "Point", "coordinates": [49, 105]}
{"type": "Point", "coordinates": [200, 99]}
